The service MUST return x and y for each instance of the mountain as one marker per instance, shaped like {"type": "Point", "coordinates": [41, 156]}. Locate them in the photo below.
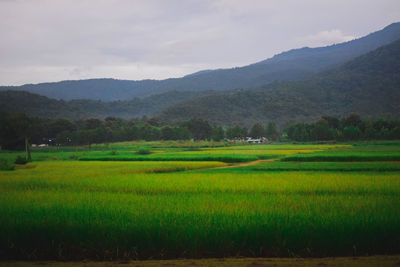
{"type": "Point", "coordinates": [368, 85]}
{"type": "Point", "coordinates": [288, 66]}
{"type": "Point", "coordinates": [37, 105]}
{"type": "Point", "coordinates": [136, 107]}
{"type": "Point", "coordinates": [41, 106]}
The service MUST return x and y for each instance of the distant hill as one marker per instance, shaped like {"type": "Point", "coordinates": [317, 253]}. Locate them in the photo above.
{"type": "Point", "coordinates": [41, 106]}
{"type": "Point", "coordinates": [288, 66]}
{"type": "Point", "coordinates": [368, 85]}
{"type": "Point", "coordinates": [38, 106]}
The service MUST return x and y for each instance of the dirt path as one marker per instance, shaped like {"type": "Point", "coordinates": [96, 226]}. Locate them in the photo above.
{"type": "Point", "coordinates": [393, 260]}
{"type": "Point", "coordinates": [245, 164]}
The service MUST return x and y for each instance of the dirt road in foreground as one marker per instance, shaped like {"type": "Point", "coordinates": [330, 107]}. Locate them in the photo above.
{"type": "Point", "coordinates": [393, 260]}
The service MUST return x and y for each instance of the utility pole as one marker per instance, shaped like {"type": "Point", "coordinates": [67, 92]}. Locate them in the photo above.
{"type": "Point", "coordinates": [27, 150]}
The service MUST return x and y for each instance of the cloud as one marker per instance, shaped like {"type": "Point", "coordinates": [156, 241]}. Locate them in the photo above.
{"type": "Point", "coordinates": [325, 38]}
{"type": "Point", "coordinates": [47, 40]}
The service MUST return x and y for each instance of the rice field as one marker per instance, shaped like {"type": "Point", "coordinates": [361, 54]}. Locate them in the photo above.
{"type": "Point", "coordinates": [58, 208]}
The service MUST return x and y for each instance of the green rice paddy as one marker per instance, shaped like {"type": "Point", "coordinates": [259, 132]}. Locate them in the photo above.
{"type": "Point", "coordinates": [188, 200]}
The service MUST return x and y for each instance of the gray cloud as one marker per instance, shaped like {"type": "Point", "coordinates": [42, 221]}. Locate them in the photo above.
{"type": "Point", "coordinates": [50, 40]}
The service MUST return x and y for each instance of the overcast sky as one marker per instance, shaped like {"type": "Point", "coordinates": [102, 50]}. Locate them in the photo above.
{"type": "Point", "coordinates": [52, 40]}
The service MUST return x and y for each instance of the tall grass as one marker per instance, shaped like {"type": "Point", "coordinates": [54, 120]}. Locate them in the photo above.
{"type": "Point", "coordinates": [109, 210]}
{"type": "Point", "coordinates": [345, 157]}
{"type": "Point", "coordinates": [228, 158]}
{"type": "Point", "coordinates": [107, 206]}
{"type": "Point", "coordinates": [327, 166]}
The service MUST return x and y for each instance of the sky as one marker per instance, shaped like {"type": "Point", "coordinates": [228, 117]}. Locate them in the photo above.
{"type": "Point", "coordinates": [53, 40]}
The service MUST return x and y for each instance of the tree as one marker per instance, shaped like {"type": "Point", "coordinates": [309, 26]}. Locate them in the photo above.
{"type": "Point", "coordinates": [15, 131]}
{"type": "Point", "coordinates": [199, 129]}
{"type": "Point", "coordinates": [333, 122]}
{"type": "Point", "coordinates": [351, 132]}
{"type": "Point", "coordinates": [271, 132]}
{"type": "Point", "coordinates": [300, 132]}
{"type": "Point", "coordinates": [181, 133]}
{"type": "Point", "coordinates": [395, 133]}
{"type": "Point", "coordinates": [218, 133]}
{"type": "Point", "coordinates": [60, 125]}
{"type": "Point", "coordinates": [257, 131]}
{"type": "Point", "coordinates": [236, 132]}
{"type": "Point", "coordinates": [113, 122]}
{"type": "Point", "coordinates": [167, 133]}
{"type": "Point", "coordinates": [92, 123]}
{"type": "Point", "coordinates": [131, 132]}
{"type": "Point", "coordinates": [322, 131]}
{"type": "Point", "coordinates": [354, 120]}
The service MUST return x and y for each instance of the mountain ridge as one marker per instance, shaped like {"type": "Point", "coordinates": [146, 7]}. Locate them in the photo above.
{"type": "Point", "coordinates": [368, 85]}
{"type": "Point", "coordinates": [42, 106]}
{"type": "Point", "coordinates": [287, 66]}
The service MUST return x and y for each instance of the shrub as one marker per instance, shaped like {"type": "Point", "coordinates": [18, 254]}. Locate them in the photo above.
{"type": "Point", "coordinates": [20, 160]}
{"type": "Point", "coordinates": [193, 149]}
{"type": "Point", "coordinates": [74, 157]}
{"type": "Point", "coordinates": [143, 151]}
{"type": "Point", "coordinates": [6, 166]}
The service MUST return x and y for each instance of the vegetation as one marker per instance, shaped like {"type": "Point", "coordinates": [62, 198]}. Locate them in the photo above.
{"type": "Point", "coordinates": [349, 128]}
{"type": "Point", "coordinates": [5, 165]}
{"type": "Point", "coordinates": [143, 151]}
{"type": "Point", "coordinates": [18, 130]}
{"type": "Point", "coordinates": [37, 105]}
{"type": "Point", "coordinates": [367, 85]}
{"type": "Point", "coordinates": [20, 160]}
{"type": "Point", "coordinates": [328, 166]}
{"type": "Point", "coordinates": [380, 151]}
{"type": "Point", "coordinates": [66, 209]}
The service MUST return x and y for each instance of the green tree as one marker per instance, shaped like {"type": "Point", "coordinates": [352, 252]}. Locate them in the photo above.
{"type": "Point", "coordinates": [218, 134]}
{"type": "Point", "coordinates": [167, 133]}
{"type": "Point", "coordinates": [271, 131]}
{"type": "Point", "coordinates": [257, 131]}
{"type": "Point", "coordinates": [236, 132]}
{"type": "Point", "coordinates": [199, 129]}
{"type": "Point", "coordinates": [321, 131]}
{"type": "Point", "coordinates": [351, 133]}
{"type": "Point", "coordinates": [333, 122]}
{"type": "Point", "coordinates": [354, 120]}
{"type": "Point", "coordinates": [60, 125]}
{"type": "Point", "coordinates": [92, 123]}
{"type": "Point", "coordinates": [181, 133]}
{"type": "Point", "coordinates": [15, 131]}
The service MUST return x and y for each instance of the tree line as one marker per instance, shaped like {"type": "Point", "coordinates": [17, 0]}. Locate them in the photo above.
{"type": "Point", "coordinates": [18, 129]}
{"type": "Point", "coordinates": [349, 128]}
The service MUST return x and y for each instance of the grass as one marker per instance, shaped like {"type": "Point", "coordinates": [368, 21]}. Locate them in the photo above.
{"type": "Point", "coordinates": [359, 152]}
{"type": "Point", "coordinates": [345, 157]}
{"type": "Point", "coordinates": [63, 209]}
{"type": "Point", "coordinates": [6, 166]}
{"type": "Point", "coordinates": [169, 151]}
{"type": "Point", "coordinates": [238, 153]}
{"type": "Point", "coordinates": [327, 166]}
{"type": "Point", "coordinates": [176, 157]}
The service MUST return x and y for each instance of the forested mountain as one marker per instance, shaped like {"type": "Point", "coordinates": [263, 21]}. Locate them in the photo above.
{"type": "Point", "coordinates": [37, 105]}
{"type": "Point", "coordinates": [287, 66]}
{"type": "Point", "coordinates": [368, 85]}
{"type": "Point", "coordinates": [41, 106]}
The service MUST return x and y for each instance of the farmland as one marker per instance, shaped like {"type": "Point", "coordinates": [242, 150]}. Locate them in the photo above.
{"type": "Point", "coordinates": [167, 200]}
